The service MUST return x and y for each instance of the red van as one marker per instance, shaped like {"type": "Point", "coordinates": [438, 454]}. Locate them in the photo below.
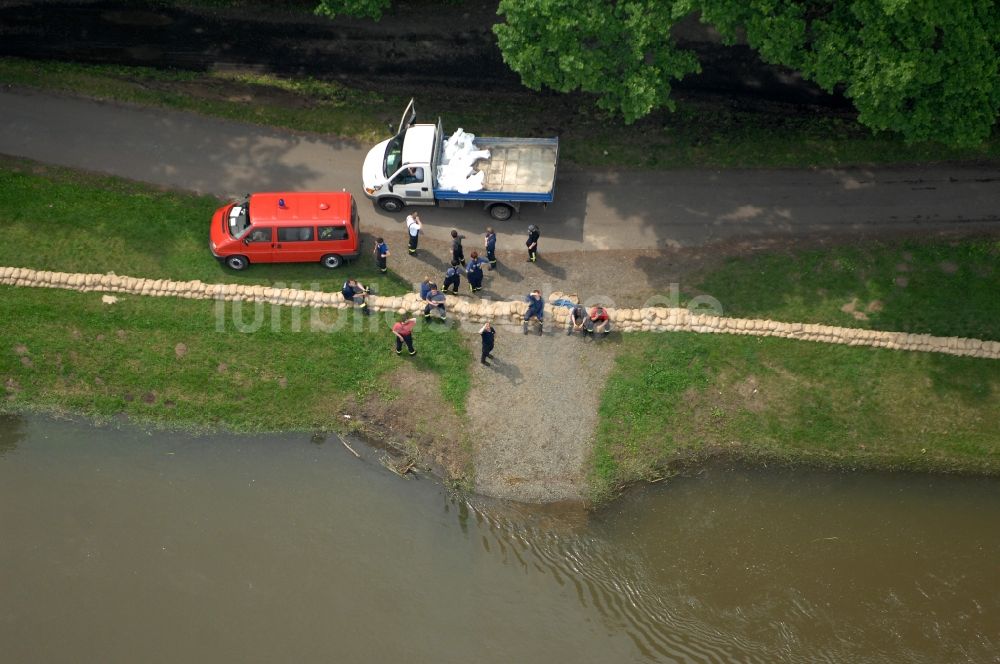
{"type": "Point", "coordinates": [298, 227]}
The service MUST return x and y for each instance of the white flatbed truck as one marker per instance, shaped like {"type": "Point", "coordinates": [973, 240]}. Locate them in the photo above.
{"type": "Point", "coordinates": [402, 170]}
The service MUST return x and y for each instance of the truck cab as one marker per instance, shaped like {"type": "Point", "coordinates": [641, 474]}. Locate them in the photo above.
{"type": "Point", "coordinates": [399, 171]}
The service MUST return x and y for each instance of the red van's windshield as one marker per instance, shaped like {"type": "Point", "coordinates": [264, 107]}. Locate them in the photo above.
{"type": "Point", "coordinates": [239, 219]}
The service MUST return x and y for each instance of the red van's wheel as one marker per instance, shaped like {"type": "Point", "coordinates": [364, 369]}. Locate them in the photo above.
{"type": "Point", "coordinates": [332, 261]}
{"type": "Point", "coordinates": [237, 262]}
{"type": "Point", "coordinates": [390, 204]}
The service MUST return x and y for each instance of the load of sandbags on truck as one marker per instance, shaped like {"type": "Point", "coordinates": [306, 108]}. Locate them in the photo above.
{"type": "Point", "coordinates": [458, 156]}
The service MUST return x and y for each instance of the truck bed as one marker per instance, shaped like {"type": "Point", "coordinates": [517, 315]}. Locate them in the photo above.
{"type": "Point", "coordinates": [519, 169]}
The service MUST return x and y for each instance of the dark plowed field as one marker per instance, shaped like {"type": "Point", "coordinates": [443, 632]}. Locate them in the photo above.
{"type": "Point", "coordinates": [419, 45]}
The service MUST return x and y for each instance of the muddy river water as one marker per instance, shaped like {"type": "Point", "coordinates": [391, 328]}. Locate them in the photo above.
{"type": "Point", "coordinates": [123, 545]}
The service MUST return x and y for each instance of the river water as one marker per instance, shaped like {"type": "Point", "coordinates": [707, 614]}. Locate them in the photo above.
{"type": "Point", "coordinates": [123, 545]}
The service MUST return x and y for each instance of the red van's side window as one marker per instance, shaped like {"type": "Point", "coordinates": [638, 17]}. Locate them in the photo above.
{"type": "Point", "coordinates": [333, 233]}
{"type": "Point", "coordinates": [295, 234]}
{"type": "Point", "coordinates": [260, 235]}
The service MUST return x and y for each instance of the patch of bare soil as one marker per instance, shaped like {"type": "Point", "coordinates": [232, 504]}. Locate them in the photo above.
{"type": "Point", "coordinates": [949, 267]}
{"type": "Point", "coordinates": [416, 421]}
{"type": "Point", "coordinates": [709, 410]}
{"type": "Point", "coordinates": [852, 309]}
{"type": "Point", "coordinates": [749, 390]}
{"type": "Point", "coordinates": [235, 91]}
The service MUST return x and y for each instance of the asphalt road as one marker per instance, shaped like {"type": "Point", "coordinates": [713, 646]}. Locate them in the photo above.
{"type": "Point", "coordinates": [594, 210]}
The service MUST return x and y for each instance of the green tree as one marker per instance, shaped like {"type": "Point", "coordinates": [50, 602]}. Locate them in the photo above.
{"type": "Point", "coordinates": [928, 69]}
{"type": "Point", "coordinates": [620, 50]}
{"type": "Point", "coordinates": [925, 68]}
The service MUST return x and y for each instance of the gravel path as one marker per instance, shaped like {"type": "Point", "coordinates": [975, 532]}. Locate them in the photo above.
{"type": "Point", "coordinates": [533, 414]}
{"type": "Point", "coordinates": [618, 278]}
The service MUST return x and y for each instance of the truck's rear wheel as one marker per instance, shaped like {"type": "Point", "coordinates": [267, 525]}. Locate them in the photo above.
{"type": "Point", "coordinates": [237, 262]}
{"type": "Point", "coordinates": [332, 261]}
{"type": "Point", "coordinates": [501, 212]}
{"type": "Point", "coordinates": [390, 204]}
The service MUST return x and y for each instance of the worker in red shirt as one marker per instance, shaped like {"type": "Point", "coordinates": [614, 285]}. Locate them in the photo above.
{"type": "Point", "coordinates": [600, 322]}
{"type": "Point", "coordinates": [403, 329]}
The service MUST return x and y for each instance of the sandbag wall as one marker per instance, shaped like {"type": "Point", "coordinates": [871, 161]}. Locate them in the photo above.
{"type": "Point", "coordinates": [648, 319]}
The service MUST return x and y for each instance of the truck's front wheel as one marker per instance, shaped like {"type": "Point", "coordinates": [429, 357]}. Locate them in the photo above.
{"type": "Point", "coordinates": [390, 204]}
{"type": "Point", "coordinates": [501, 212]}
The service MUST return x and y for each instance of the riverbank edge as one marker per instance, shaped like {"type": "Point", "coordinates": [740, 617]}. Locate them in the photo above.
{"type": "Point", "coordinates": [409, 457]}
{"type": "Point", "coordinates": [398, 457]}
{"type": "Point", "coordinates": [690, 462]}
{"type": "Point", "coordinates": [683, 463]}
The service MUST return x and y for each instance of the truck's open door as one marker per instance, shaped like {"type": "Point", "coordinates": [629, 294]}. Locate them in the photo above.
{"type": "Point", "coordinates": [436, 152]}
{"type": "Point", "coordinates": [409, 115]}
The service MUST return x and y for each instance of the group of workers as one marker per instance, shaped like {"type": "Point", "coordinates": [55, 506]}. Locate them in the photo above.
{"type": "Point", "coordinates": [596, 321]}
{"type": "Point", "coordinates": [414, 228]}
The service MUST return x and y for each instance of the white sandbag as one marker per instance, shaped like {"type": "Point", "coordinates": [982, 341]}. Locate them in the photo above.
{"type": "Point", "coordinates": [459, 154]}
{"type": "Point", "coordinates": [458, 143]}
{"type": "Point", "coordinates": [471, 183]}
{"type": "Point", "coordinates": [476, 155]}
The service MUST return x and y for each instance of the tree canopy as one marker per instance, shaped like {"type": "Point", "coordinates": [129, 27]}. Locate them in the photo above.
{"type": "Point", "coordinates": [925, 68]}
{"type": "Point", "coordinates": [928, 69]}
{"type": "Point", "coordinates": [622, 51]}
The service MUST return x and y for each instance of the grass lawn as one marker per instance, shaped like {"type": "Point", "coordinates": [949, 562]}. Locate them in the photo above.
{"type": "Point", "coordinates": [94, 223]}
{"type": "Point", "coordinates": [60, 219]}
{"type": "Point", "coordinates": [67, 351]}
{"type": "Point", "coordinates": [679, 396]}
{"type": "Point", "coordinates": [946, 288]}
{"type": "Point", "coordinates": [701, 134]}
{"type": "Point", "coordinates": [674, 397]}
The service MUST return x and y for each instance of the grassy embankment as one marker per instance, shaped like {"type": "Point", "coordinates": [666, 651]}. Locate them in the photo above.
{"type": "Point", "coordinates": [681, 397]}
{"type": "Point", "coordinates": [700, 134]}
{"type": "Point", "coordinates": [66, 350]}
